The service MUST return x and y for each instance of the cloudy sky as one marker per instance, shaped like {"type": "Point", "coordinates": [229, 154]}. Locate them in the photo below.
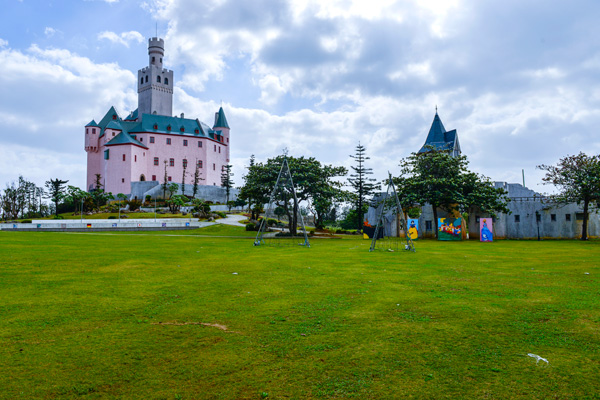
{"type": "Point", "coordinates": [519, 80]}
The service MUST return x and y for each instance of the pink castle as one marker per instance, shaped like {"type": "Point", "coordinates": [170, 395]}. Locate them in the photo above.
{"type": "Point", "coordinates": [131, 154]}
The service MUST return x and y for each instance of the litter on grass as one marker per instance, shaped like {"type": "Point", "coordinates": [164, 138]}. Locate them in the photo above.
{"type": "Point", "coordinates": [234, 273]}
{"type": "Point", "coordinates": [537, 358]}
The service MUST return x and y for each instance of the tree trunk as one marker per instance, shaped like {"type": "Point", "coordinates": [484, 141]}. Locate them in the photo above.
{"type": "Point", "coordinates": [435, 220]}
{"type": "Point", "coordinates": [586, 203]}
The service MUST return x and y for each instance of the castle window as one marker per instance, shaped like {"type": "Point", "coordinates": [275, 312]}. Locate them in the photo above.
{"type": "Point", "coordinates": [184, 142]}
{"type": "Point", "coordinates": [567, 217]}
{"type": "Point", "coordinates": [214, 167]}
{"type": "Point", "coordinates": [87, 131]}
{"type": "Point", "coordinates": [114, 116]}
{"type": "Point", "coordinates": [196, 131]}
{"type": "Point", "coordinates": [168, 140]}
{"type": "Point", "coordinates": [153, 60]}
{"type": "Point", "coordinates": [538, 217]}
{"type": "Point", "coordinates": [152, 139]}
{"type": "Point", "coordinates": [169, 127]}
{"type": "Point", "coordinates": [146, 78]}
{"type": "Point", "coordinates": [199, 143]}
{"type": "Point", "coordinates": [93, 131]}
{"type": "Point", "coordinates": [135, 158]}
{"type": "Point", "coordinates": [215, 147]}
{"type": "Point", "coordinates": [169, 179]}
{"type": "Point", "coordinates": [141, 139]}
{"type": "Point", "coordinates": [142, 178]}
{"type": "Point", "coordinates": [154, 178]}
{"type": "Point", "coordinates": [517, 218]}
{"type": "Point", "coordinates": [158, 79]}
{"type": "Point", "coordinates": [182, 129]}
{"type": "Point", "coordinates": [106, 154]}
{"type": "Point", "coordinates": [122, 180]}
{"type": "Point", "coordinates": [166, 81]}
{"type": "Point", "coordinates": [113, 134]}
{"type": "Point", "coordinates": [142, 80]}
{"type": "Point", "coordinates": [219, 149]}
{"type": "Point", "coordinates": [553, 217]}
{"type": "Point", "coordinates": [199, 163]}
{"type": "Point", "coordinates": [428, 225]}
{"type": "Point", "coordinates": [155, 162]}
{"type": "Point", "coordinates": [184, 163]}
{"type": "Point", "coordinates": [227, 140]}
{"type": "Point", "coordinates": [171, 162]}
{"type": "Point", "coordinates": [123, 157]}
{"type": "Point", "coordinates": [161, 59]}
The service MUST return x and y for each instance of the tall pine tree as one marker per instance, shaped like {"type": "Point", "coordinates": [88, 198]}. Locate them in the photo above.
{"type": "Point", "coordinates": [363, 186]}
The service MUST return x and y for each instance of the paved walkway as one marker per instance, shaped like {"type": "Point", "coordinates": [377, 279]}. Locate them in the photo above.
{"type": "Point", "coordinates": [232, 219]}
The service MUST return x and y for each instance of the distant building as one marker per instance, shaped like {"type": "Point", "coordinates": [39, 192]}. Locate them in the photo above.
{"type": "Point", "coordinates": [131, 154]}
{"type": "Point", "coordinates": [438, 139]}
{"type": "Point", "coordinates": [530, 212]}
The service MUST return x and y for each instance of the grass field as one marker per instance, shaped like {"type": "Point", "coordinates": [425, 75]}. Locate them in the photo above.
{"type": "Point", "coordinates": [150, 316]}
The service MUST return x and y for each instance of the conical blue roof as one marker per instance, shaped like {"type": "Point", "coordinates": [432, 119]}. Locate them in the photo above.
{"type": "Point", "coordinates": [439, 139]}
{"type": "Point", "coordinates": [221, 121]}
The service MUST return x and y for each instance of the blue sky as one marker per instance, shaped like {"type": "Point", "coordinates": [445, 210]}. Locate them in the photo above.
{"type": "Point", "coordinates": [518, 80]}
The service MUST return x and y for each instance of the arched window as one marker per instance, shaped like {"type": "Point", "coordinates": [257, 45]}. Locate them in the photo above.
{"type": "Point", "coordinates": [158, 79]}
{"type": "Point", "coordinates": [142, 178]}
{"type": "Point", "coordinates": [166, 81]}
{"type": "Point", "coordinates": [161, 59]}
{"type": "Point", "coordinates": [153, 60]}
{"type": "Point", "coordinates": [141, 80]}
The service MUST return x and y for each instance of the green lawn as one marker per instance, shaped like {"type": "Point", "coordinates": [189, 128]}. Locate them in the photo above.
{"type": "Point", "coordinates": [164, 317]}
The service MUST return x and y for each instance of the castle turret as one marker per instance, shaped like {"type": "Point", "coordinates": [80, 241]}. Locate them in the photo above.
{"type": "Point", "coordinates": [222, 127]}
{"type": "Point", "coordinates": [155, 84]}
{"type": "Point", "coordinates": [92, 132]}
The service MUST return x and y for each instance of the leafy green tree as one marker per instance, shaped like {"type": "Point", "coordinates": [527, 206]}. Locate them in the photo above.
{"type": "Point", "coordinates": [197, 179]}
{"type": "Point", "coordinates": [172, 189]}
{"type": "Point", "coordinates": [56, 192]}
{"type": "Point", "coordinates": [99, 196]}
{"type": "Point", "coordinates": [443, 181]}
{"type": "Point", "coordinates": [364, 187]}
{"type": "Point", "coordinates": [578, 180]}
{"type": "Point", "coordinates": [77, 197]}
{"type": "Point", "coordinates": [175, 202]}
{"type": "Point", "coordinates": [226, 180]}
{"type": "Point", "coordinates": [313, 181]}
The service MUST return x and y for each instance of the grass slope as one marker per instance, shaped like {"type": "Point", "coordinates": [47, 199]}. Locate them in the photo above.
{"type": "Point", "coordinates": [114, 316]}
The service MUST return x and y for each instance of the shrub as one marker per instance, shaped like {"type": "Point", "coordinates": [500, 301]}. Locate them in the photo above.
{"type": "Point", "coordinates": [58, 217]}
{"type": "Point", "coordinates": [271, 221]}
{"type": "Point", "coordinates": [112, 217]}
{"type": "Point", "coordinates": [221, 214]}
{"type": "Point", "coordinates": [251, 227]}
{"type": "Point", "coordinates": [26, 221]}
{"type": "Point", "coordinates": [134, 204]}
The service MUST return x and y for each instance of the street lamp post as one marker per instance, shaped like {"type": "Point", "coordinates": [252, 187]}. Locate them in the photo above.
{"type": "Point", "coordinates": [537, 220]}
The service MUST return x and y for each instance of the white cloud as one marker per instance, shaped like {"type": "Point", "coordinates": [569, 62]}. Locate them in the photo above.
{"type": "Point", "coordinates": [51, 95]}
{"type": "Point", "coordinates": [125, 38]}
{"type": "Point", "coordinates": [50, 32]}
{"type": "Point", "coordinates": [3, 42]}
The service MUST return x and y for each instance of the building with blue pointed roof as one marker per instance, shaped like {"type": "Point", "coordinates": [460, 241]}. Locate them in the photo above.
{"type": "Point", "coordinates": [438, 139]}
{"type": "Point", "coordinates": [136, 154]}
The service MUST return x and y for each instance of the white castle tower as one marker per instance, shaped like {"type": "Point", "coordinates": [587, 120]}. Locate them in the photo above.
{"type": "Point", "coordinates": [155, 84]}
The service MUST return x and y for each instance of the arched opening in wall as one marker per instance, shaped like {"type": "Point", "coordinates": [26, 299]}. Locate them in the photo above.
{"type": "Point", "coordinates": [141, 80]}
{"type": "Point", "coordinates": [142, 178]}
{"type": "Point", "coordinates": [146, 78]}
{"type": "Point", "coordinates": [166, 81]}
{"type": "Point", "coordinates": [158, 79]}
